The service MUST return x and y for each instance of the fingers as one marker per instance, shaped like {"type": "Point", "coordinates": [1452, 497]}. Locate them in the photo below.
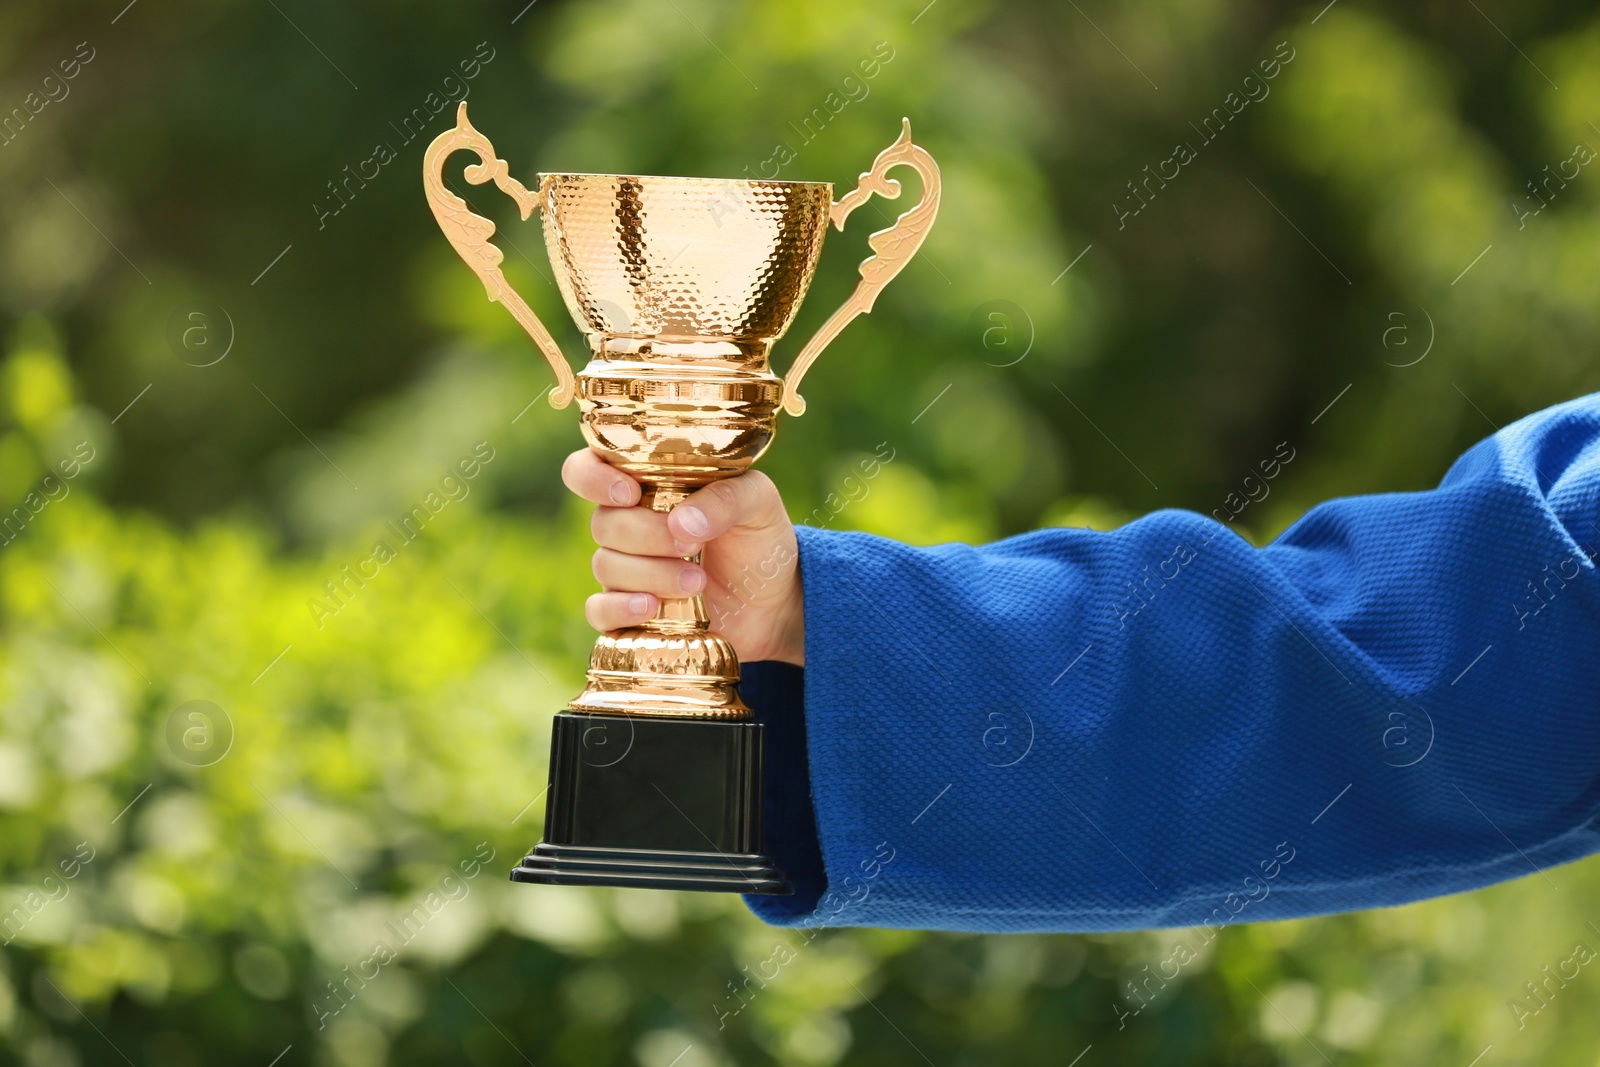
{"type": "Point", "coordinates": [613, 611]}
{"type": "Point", "coordinates": [637, 531]}
{"type": "Point", "coordinates": [647, 574]}
{"type": "Point", "coordinates": [597, 481]}
{"type": "Point", "coordinates": [749, 500]}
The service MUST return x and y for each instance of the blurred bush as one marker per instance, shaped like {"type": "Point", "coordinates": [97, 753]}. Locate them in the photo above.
{"type": "Point", "coordinates": [230, 771]}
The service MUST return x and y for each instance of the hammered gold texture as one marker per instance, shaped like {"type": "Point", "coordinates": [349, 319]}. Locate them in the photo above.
{"type": "Point", "coordinates": [683, 257]}
{"type": "Point", "coordinates": [681, 286]}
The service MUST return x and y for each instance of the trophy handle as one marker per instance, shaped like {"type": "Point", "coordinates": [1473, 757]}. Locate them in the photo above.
{"type": "Point", "coordinates": [894, 247]}
{"type": "Point", "coordinates": [470, 234]}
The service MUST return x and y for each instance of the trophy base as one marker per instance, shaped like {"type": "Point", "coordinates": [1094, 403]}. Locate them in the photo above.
{"type": "Point", "coordinates": [654, 802]}
{"type": "Point", "coordinates": [641, 868]}
{"type": "Point", "coordinates": [687, 673]}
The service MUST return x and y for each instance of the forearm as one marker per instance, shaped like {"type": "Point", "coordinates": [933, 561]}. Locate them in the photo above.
{"type": "Point", "coordinates": [1080, 730]}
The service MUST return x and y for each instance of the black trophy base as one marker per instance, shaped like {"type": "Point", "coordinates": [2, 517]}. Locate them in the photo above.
{"type": "Point", "coordinates": [642, 868]}
{"type": "Point", "coordinates": [654, 803]}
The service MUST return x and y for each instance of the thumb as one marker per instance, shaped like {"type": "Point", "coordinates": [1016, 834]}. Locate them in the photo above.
{"type": "Point", "coordinates": [749, 500]}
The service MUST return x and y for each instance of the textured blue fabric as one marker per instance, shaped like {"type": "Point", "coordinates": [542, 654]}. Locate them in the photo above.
{"type": "Point", "coordinates": [1165, 726]}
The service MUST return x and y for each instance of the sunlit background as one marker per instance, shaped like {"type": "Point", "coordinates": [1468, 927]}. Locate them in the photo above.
{"type": "Point", "coordinates": [236, 347]}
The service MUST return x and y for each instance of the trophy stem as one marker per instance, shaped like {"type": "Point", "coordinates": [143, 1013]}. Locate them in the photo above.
{"type": "Point", "coordinates": [685, 615]}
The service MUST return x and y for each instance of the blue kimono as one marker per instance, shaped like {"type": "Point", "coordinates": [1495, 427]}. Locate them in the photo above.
{"type": "Point", "coordinates": [1164, 726]}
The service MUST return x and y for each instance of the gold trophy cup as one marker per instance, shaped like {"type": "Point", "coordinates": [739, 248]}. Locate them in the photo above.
{"type": "Point", "coordinates": [681, 286]}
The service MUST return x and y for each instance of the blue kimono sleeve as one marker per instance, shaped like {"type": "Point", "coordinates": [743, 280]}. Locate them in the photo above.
{"type": "Point", "coordinates": [1165, 726]}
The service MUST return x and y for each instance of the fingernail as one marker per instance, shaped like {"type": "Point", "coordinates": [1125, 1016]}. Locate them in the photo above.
{"type": "Point", "coordinates": [639, 603]}
{"type": "Point", "coordinates": [691, 579]}
{"type": "Point", "coordinates": [622, 492]}
{"type": "Point", "coordinates": [693, 520]}
{"type": "Point", "coordinates": [684, 548]}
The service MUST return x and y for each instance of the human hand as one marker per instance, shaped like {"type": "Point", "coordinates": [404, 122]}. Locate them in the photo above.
{"type": "Point", "coordinates": [749, 573]}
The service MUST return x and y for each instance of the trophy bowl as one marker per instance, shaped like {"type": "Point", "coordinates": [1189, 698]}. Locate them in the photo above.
{"type": "Point", "coordinates": [681, 287]}
{"type": "Point", "coordinates": [681, 315]}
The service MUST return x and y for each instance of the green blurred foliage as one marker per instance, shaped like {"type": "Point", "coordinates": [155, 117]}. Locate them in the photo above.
{"type": "Point", "coordinates": [190, 887]}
